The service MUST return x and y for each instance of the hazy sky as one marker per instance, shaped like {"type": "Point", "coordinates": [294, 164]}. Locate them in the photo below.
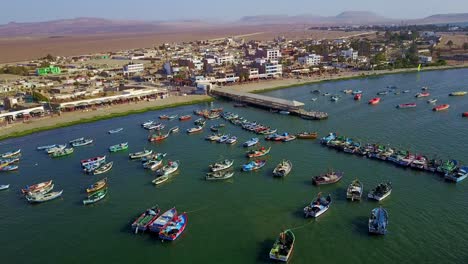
{"type": "Point", "coordinates": [40, 10]}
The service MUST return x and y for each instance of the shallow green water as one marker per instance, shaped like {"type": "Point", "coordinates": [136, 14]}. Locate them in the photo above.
{"type": "Point", "coordinates": [236, 221]}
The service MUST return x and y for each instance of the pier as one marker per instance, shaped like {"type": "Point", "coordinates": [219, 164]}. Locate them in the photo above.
{"type": "Point", "coordinates": [268, 102]}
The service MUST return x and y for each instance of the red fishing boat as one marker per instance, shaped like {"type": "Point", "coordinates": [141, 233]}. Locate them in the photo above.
{"type": "Point", "coordinates": [418, 95]}
{"type": "Point", "coordinates": [441, 107]}
{"type": "Point", "coordinates": [374, 101]}
{"type": "Point", "coordinates": [156, 137]}
{"type": "Point", "coordinates": [465, 114]}
{"type": "Point", "coordinates": [410, 105]}
{"type": "Point", "coordinates": [357, 96]}
{"type": "Point", "coordinates": [185, 117]}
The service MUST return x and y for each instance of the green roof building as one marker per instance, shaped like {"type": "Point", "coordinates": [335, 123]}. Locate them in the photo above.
{"type": "Point", "coordinates": [48, 70]}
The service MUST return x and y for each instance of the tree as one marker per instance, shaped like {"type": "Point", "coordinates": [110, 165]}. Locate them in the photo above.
{"type": "Point", "coordinates": [450, 44]}
{"type": "Point", "coordinates": [39, 97]}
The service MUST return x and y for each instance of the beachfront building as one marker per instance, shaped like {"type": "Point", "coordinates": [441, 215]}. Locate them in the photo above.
{"type": "Point", "coordinates": [425, 59]}
{"type": "Point", "coordinates": [133, 68]}
{"type": "Point", "coordinates": [273, 69]}
{"type": "Point", "coordinates": [350, 54]}
{"type": "Point", "coordinates": [269, 54]}
{"type": "Point", "coordinates": [310, 59]}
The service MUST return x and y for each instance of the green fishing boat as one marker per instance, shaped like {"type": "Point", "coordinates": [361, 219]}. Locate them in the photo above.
{"type": "Point", "coordinates": [119, 147]}
{"type": "Point", "coordinates": [95, 197]}
{"type": "Point", "coordinates": [62, 153]}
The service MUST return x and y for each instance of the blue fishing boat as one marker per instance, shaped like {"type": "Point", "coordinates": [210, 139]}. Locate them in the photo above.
{"type": "Point", "coordinates": [253, 165]}
{"type": "Point", "coordinates": [378, 221]}
{"type": "Point", "coordinates": [113, 131]}
{"type": "Point", "coordinates": [457, 176]}
{"type": "Point", "coordinates": [162, 220]}
{"type": "Point", "coordinates": [327, 139]}
{"type": "Point", "coordinates": [9, 168]}
{"type": "Point", "coordinates": [251, 142]}
{"type": "Point", "coordinates": [174, 228]}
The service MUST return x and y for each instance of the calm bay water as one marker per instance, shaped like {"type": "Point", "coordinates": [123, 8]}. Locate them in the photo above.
{"type": "Point", "coordinates": [236, 221]}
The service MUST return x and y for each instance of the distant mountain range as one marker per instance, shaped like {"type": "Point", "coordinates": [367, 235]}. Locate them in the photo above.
{"type": "Point", "coordinates": [84, 26]}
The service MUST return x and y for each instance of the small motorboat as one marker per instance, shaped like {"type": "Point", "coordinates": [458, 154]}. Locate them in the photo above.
{"type": "Point", "coordinates": [380, 192]}
{"type": "Point", "coordinates": [347, 91]}
{"type": "Point", "coordinates": [103, 168]}
{"type": "Point", "coordinates": [283, 168]}
{"type": "Point", "coordinates": [36, 187]}
{"type": "Point", "coordinates": [327, 178]}
{"type": "Point", "coordinates": [83, 142]}
{"type": "Point", "coordinates": [419, 95]}
{"type": "Point", "coordinates": [158, 137]}
{"type": "Point", "coordinates": [114, 131]}
{"type": "Point", "coordinates": [374, 101]}
{"type": "Point", "coordinates": [170, 168]}
{"type": "Point", "coordinates": [185, 117]}
{"type": "Point", "coordinates": [219, 175]}
{"type": "Point", "coordinates": [4, 186]}
{"type": "Point", "coordinates": [355, 190]}
{"type": "Point", "coordinates": [95, 197]}
{"type": "Point", "coordinates": [92, 160]}
{"type": "Point", "coordinates": [223, 138]}
{"type": "Point", "coordinates": [432, 101]}
{"type": "Point", "coordinates": [358, 96]}
{"type": "Point", "coordinates": [313, 99]}
{"type": "Point", "coordinates": [9, 167]}
{"type": "Point", "coordinates": [119, 147]}
{"type": "Point", "coordinates": [55, 149]}
{"type": "Point", "coordinates": [231, 140]}
{"type": "Point", "coordinates": [11, 154]}
{"type": "Point", "coordinates": [408, 105]}
{"type": "Point", "coordinates": [318, 206]}
{"type": "Point", "coordinates": [160, 179]}
{"type": "Point", "coordinates": [140, 154]}
{"type": "Point", "coordinates": [378, 221]}
{"type": "Point", "coordinates": [288, 137]}
{"type": "Point", "coordinates": [97, 186]}
{"type": "Point", "coordinates": [40, 198]}
{"type": "Point", "coordinates": [251, 142]}
{"type": "Point", "coordinates": [307, 135]}
{"type": "Point", "coordinates": [223, 165]}
{"type": "Point", "coordinates": [174, 129]}
{"type": "Point", "coordinates": [146, 219]}
{"type": "Point", "coordinates": [283, 246]}
{"type": "Point", "coordinates": [162, 220]}
{"type": "Point", "coordinates": [164, 117]}
{"type": "Point", "coordinates": [253, 165]}
{"type": "Point", "coordinates": [76, 140]}
{"type": "Point", "coordinates": [441, 107]}
{"type": "Point", "coordinates": [213, 137]}
{"type": "Point", "coordinates": [459, 93]}
{"type": "Point", "coordinates": [174, 228]}
{"type": "Point", "coordinates": [194, 129]}
{"type": "Point", "coordinates": [335, 98]}
{"type": "Point", "coordinates": [284, 112]}
{"type": "Point", "coordinates": [254, 153]}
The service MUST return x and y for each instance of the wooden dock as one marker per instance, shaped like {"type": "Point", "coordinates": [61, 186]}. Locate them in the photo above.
{"type": "Point", "coordinates": [268, 102]}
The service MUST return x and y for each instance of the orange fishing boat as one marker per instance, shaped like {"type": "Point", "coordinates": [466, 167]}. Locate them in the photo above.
{"type": "Point", "coordinates": [441, 107]}
{"type": "Point", "coordinates": [374, 101]}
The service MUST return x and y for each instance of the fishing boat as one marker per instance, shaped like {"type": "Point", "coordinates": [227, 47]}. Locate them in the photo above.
{"type": "Point", "coordinates": [357, 92]}
{"type": "Point", "coordinates": [223, 138]}
{"type": "Point", "coordinates": [283, 246]}
{"type": "Point", "coordinates": [158, 137]}
{"type": "Point", "coordinates": [153, 164]}
{"type": "Point", "coordinates": [382, 93]}
{"type": "Point", "coordinates": [253, 165]}
{"type": "Point", "coordinates": [46, 147]}
{"type": "Point", "coordinates": [251, 142]}
{"type": "Point", "coordinates": [171, 167]}
{"type": "Point", "coordinates": [62, 153]}
{"type": "Point", "coordinates": [36, 187]}
{"type": "Point", "coordinates": [156, 126]}
{"type": "Point", "coordinates": [146, 219]}
{"type": "Point", "coordinates": [43, 197]}
{"type": "Point", "coordinates": [441, 107]}
{"type": "Point", "coordinates": [164, 117]}
{"type": "Point", "coordinates": [432, 101]}
{"type": "Point", "coordinates": [447, 166]}
{"type": "Point", "coordinates": [162, 220]}
{"type": "Point", "coordinates": [4, 186]}
{"type": "Point", "coordinates": [140, 154]}
{"type": "Point", "coordinates": [419, 95]}
{"type": "Point", "coordinates": [307, 135]}
{"type": "Point", "coordinates": [287, 137]}
{"type": "Point", "coordinates": [147, 123]}
{"type": "Point", "coordinates": [219, 175]}
{"type": "Point", "coordinates": [95, 197]}
{"type": "Point", "coordinates": [284, 112]}
{"type": "Point", "coordinates": [378, 221]}
{"type": "Point", "coordinates": [92, 160]}
{"type": "Point", "coordinates": [458, 175]}
{"type": "Point", "coordinates": [316, 91]}
{"type": "Point", "coordinates": [114, 131]}
{"type": "Point", "coordinates": [465, 114]}
{"type": "Point", "coordinates": [231, 140]}
{"type": "Point", "coordinates": [185, 117]}
{"type": "Point", "coordinates": [76, 140]}
{"type": "Point", "coordinates": [103, 168]}
{"type": "Point", "coordinates": [358, 96]}
{"type": "Point", "coordinates": [254, 153]}
{"type": "Point", "coordinates": [9, 167]}
{"type": "Point", "coordinates": [318, 206]}
{"type": "Point", "coordinates": [119, 147]}
{"type": "Point", "coordinates": [174, 228]}
{"type": "Point", "coordinates": [213, 137]}
{"type": "Point", "coordinates": [374, 101]}
{"type": "Point", "coordinates": [406, 91]}
{"type": "Point", "coordinates": [459, 93]}
{"type": "Point", "coordinates": [160, 179]}
{"type": "Point", "coordinates": [408, 105]}
{"type": "Point", "coordinates": [328, 138]}
{"type": "Point", "coordinates": [194, 129]}
{"type": "Point", "coordinates": [174, 129]}
{"type": "Point", "coordinates": [328, 178]}
{"type": "Point", "coordinates": [347, 91]}
{"type": "Point", "coordinates": [9, 161]}
{"type": "Point", "coordinates": [82, 142]}
{"type": "Point", "coordinates": [55, 149]}
{"type": "Point", "coordinates": [380, 192]}
{"type": "Point", "coordinates": [215, 128]}
{"type": "Point", "coordinates": [97, 186]}
{"type": "Point", "coordinates": [223, 165]}
{"type": "Point", "coordinates": [283, 168]}
{"type": "Point", "coordinates": [326, 94]}
{"type": "Point", "coordinates": [268, 132]}
{"type": "Point", "coordinates": [355, 190]}
{"type": "Point", "coordinates": [11, 154]}
{"type": "Point", "coordinates": [200, 122]}
{"type": "Point", "coordinates": [334, 98]}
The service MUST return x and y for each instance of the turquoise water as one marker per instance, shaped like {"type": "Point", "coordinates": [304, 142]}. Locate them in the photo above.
{"type": "Point", "coordinates": [237, 221]}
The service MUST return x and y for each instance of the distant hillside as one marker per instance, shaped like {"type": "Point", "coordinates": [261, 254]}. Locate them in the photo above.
{"type": "Point", "coordinates": [443, 18]}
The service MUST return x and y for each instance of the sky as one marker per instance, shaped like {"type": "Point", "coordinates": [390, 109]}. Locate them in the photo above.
{"type": "Point", "coordinates": [43, 10]}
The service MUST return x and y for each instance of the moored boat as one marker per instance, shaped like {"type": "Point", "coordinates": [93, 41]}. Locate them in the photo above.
{"type": "Point", "coordinates": [40, 198]}
{"type": "Point", "coordinates": [419, 95]}
{"type": "Point", "coordinates": [408, 105]}
{"type": "Point", "coordinates": [119, 147]}
{"type": "Point", "coordinates": [146, 219]}
{"type": "Point", "coordinates": [307, 135]}
{"type": "Point", "coordinates": [158, 137]}
{"type": "Point", "coordinates": [185, 117]}
{"type": "Point", "coordinates": [378, 221]}
{"type": "Point", "coordinates": [9, 167]}
{"type": "Point", "coordinates": [318, 206]}
{"type": "Point", "coordinates": [355, 190]}
{"type": "Point", "coordinates": [194, 129]}
{"type": "Point", "coordinates": [254, 153]}
{"type": "Point", "coordinates": [231, 140]}
{"type": "Point", "coordinates": [219, 175]}
{"type": "Point", "coordinates": [92, 160]}
{"type": "Point", "coordinates": [103, 168]}
{"type": "Point", "coordinates": [36, 187]}
{"type": "Point", "coordinates": [382, 191]}
{"type": "Point", "coordinates": [327, 178]}
{"type": "Point", "coordinates": [160, 179]}
{"type": "Point", "coordinates": [358, 96]}
{"type": "Point", "coordinates": [174, 228]}
{"type": "Point", "coordinates": [458, 175]}
{"type": "Point", "coordinates": [253, 165]}
{"type": "Point", "coordinates": [62, 153]}
{"type": "Point", "coordinates": [223, 165]}
{"type": "Point", "coordinates": [83, 142]}
{"type": "Point", "coordinates": [171, 167]}
{"type": "Point", "coordinates": [55, 149]}
{"type": "Point", "coordinates": [251, 142]}
{"type": "Point", "coordinates": [97, 186]}
{"type": "Point", "coordinates": [432, 101]}
{"type": "Point", "coordinates": [76, 140]}
{"type": "Point", "coordinates": [4, 186]}
{"type": "Point", "coordinates": [441, 107]}
{"type": "Point", "coordinates": [447, 166]}
{"type": "Point", "coordinates": [46, 147]}
{"type": "Point", "coordinates": [374, 101]}
{"type": "Point", "coordinates": [459, 93]}
{"type": "Point", "coordinates": [95, 197]}
{"type": "Point", "coordinates": [283, 168]}
{"type": "Point", "coordinates": [113, 131]}
{"type": "Point", "coordinates": [162, 220]}
{"type": "Point", "coordinates": [11, 154]}
{"type": "Point", "coordinates": [283, 246]}
{"type": "Point", "coordinates": [465, 114]}
{"type": "Point", "coordinates": [140, 154]}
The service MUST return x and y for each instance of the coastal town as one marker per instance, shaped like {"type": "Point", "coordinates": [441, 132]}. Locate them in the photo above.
{"type": "Point", "coordinates": [173, 73]}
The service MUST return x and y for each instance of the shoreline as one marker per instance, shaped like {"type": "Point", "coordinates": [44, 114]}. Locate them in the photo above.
{"type": "Point", "coordinates": [66, 120]}
{"type": "Point", "coordinates": [19, 130]}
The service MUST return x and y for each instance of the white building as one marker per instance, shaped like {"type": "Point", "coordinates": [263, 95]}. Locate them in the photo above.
{"type": "Point", "coordinates": [273, 54]}
{"type": "Point", "coordinates": [425, 59]}
{"type": "Point", "coordinates": [224, 59]}
{"type": "Point", "coordinates": [273, 69]}
{"type": "Point", "coordinates": [133, 68]}
{"type": "Point", "coordinates": [350, 54]}
{"type": "Point", "coordinates": [311, 59]}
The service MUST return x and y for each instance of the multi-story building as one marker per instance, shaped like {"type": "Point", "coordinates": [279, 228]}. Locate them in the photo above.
{"type": "Point", "coordinates": [425, 59]}
{"type": "Point", "coordinates": [273, 69]}
{"type": "Point", "coordinates": [224, 59]}
{"type": "Point", "coordinates": [350, 54]}
{"type": "Point", "coordinates": [133, 68]}
{"type": "Point", "coordinates": [311, 59]}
